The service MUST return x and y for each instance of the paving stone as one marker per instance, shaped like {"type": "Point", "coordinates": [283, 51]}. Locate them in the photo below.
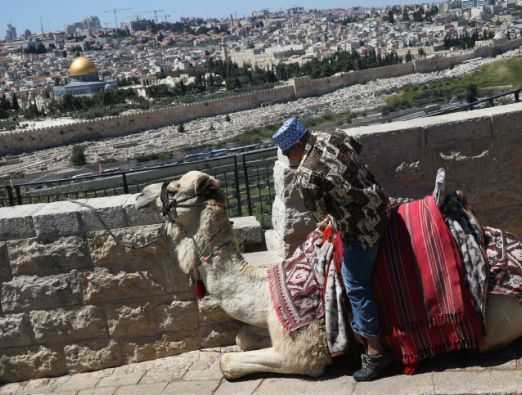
{"type": "Point", "coordinates": [43, 386]}
{"type": "Point", "coordinates": [487, 382]}
{"type": "Point", "coordinates": [237, 388]}
{"type": "Point", "coordinates": [163, 375]}
{"type": "Point", "coordinates": [293, 386]}
{"type": "Point", "coordinates": [206, 368]}
{"type": "Point", "coordinates": [191, 388]}
{"type": "Point", "coordinates": [148, 389]}
{"type": "Point", "coordinates": [84, 380]}
{"type": "Point", "coordinates": [125, 379]}
{"type": "Point", "coordinates": [13, 388]}
{"type": "Point", "coordinates": [99, 391]}
{"type": "Point", "coordinates": [404, 385]}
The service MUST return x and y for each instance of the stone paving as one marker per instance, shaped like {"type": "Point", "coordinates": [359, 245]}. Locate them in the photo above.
{"type": "Point", "coordinates": [198, 373]}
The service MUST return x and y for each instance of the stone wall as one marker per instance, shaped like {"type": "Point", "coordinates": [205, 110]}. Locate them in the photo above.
{"type": "Point", "coordinates": [19, 141]}
{"type": "Point", "coordinates": [481, 150]}
{"type": "Point", "coordinates": [74, 300]}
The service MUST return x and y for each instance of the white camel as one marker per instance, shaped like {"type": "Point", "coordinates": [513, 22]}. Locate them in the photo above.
{"type": "Point", "coordinates": [205, 248]}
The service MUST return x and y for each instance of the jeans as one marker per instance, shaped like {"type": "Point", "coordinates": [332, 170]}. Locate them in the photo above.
{"type": "Point", "coordinates": [357, 274]}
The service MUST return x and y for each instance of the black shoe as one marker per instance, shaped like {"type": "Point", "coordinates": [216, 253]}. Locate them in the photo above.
{"type": "Point", "coordinates": [373, 367]}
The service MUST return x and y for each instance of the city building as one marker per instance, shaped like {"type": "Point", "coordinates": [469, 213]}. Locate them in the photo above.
{"type": "Point", "coordinates": [11, 35]}
{"type": "Point", "coordinates": [83, 80]}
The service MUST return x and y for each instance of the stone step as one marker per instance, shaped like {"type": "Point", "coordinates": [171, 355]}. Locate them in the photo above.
{"type": "Point", "coordinates": [249, 233]}
{"type": "Point", "coordinates": [263, 258]}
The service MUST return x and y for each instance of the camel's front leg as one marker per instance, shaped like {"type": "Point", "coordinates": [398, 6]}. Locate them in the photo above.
{"type": "Point", "coordinates": [239, 364]}
{"type": "Point", "coordinates": [252, 338]}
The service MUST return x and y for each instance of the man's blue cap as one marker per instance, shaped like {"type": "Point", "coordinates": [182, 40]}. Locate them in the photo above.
{"type": "Point", "coordinates": [289, 134]}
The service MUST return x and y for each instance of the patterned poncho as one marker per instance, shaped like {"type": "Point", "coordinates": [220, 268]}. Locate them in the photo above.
{"type": "Point", "coordinates": [332, 180]}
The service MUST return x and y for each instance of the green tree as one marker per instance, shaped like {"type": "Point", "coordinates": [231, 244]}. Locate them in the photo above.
{"type": "Point", "coordinates": [471, 93]}
{"type": "Point", "coordinates": [14, 102]}
{"type": "Point", "coordinates": [409, 56]}
{"type": "Point", "coordinates": [78, 155]}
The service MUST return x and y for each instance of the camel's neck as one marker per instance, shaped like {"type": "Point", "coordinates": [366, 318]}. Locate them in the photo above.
{"type": "Point", "coordinates": [240, 287]}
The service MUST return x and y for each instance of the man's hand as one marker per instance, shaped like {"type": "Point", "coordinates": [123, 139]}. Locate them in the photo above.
{"type": "Point", "coordinates": [324, 223]}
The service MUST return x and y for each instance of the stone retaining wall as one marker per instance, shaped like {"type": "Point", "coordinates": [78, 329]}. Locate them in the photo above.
{"type": "Point", "coordinates": [481, 150]}
{"type": "Point", "coordinates": [74, 300]}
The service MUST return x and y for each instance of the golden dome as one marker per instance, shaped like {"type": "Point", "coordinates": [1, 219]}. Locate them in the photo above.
{"type": "Point", "coordinates": [82, 66]}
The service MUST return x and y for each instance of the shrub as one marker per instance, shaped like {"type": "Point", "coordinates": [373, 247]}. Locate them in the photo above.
{"type": "Point", "coordinates": [181, 128]}
{"type": "Point", "coordinates": [78, 155]}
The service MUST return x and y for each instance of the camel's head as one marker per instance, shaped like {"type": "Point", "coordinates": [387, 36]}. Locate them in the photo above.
{"type": "Point", "coordinates": [180, 200]}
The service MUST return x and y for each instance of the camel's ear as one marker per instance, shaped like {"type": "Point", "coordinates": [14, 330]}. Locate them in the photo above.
{"type": "Point", "coordinates": [205, 183]}
{"type": "Point", "coordinates": [149, 195]}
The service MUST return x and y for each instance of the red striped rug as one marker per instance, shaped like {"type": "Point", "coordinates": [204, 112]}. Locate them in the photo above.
{"type": "Point", "coordinates": [423, 306]}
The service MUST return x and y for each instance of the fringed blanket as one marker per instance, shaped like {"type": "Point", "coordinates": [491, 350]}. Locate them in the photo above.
{"type": "Point", "coordinates": [424, 309]}
{"type": "Point", "coordinates": [308, 287]}
{"type": "Point", "coordinates": [504, 252]}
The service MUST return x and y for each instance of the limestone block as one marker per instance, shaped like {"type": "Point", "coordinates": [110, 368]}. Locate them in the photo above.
{"type": "Point", "coordinates": [17, 222]}
{"type": "Point", "coordinates": [145, 216]}
{"type": "Point", "coordinates": [103, 286]}
{"type": "Point", "coordinates": [57, 219]}
{"type": "Point", "coordinates": [292, 222]}
{"type": "Point", "coordinates": [68, 326]}
{"type": "Point", "coordinates": [210, 311]}
{"type": "Point", "coordinates": [178, 316]}
{"type": "Point", "coordinates": [102, 213]}
{"type": "Point", "coordinates": [133, 245]}
{"type": "Point", "coordinates": [218, 334]}
{"type": "Point", "coordinates": [5, 269]}
{"type": "Point", "coordinates": [15, 331]}
{"type": "Point", "coordinates": [25, 293]}
{"type": "Point", "coordinates": [92, 355]}
{"type": "Point", "coordinates": [470, 133]}
{"type": "Point", "coordinates": [31, 363]}
{"type": "Point", "coordinates": [146, 349]}
{"type": "Point", "coordinates": [43, 258]}
{"type": "Point", "coordinates": [132, 320]}
{"type": "Point", "coordinates": [248, 233]}
{"type": "Point", "coordinates": [274, 243]}
{"type": "Point", "coordinates": [157, 257]}
{"type": "Point", "coordinates": [283, 175]}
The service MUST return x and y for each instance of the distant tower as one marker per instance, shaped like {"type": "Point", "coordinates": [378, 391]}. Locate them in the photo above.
{"type": "Point", "coordinates": [41, 25]}
{"type": "Point", "coordinates": [10, 34]}
{"type": "Point", "coordinates": [224, 54]}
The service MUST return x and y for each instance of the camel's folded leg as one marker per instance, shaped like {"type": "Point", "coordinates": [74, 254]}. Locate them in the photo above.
{"type": "Point", "coordinates": [252, 338]}
{"type": "Point", "coordinates": [240, 364]}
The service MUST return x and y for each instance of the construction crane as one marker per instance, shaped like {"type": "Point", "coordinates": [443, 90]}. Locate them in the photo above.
{"type": "Point", "coordinates": [155, 12]}
{"type": "Point", "coordinates": [115, 12]}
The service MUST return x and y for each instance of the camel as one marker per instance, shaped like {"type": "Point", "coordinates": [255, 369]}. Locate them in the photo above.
{"type": "Point", "coordinates": [205, 249]}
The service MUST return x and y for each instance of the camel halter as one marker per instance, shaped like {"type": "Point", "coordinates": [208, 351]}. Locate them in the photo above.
{"type": "Point", "coordinates": [169, 206]}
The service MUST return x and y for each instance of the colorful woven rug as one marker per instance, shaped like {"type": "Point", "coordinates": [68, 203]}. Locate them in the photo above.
{"type": "Point", "coordinates": [295, 285]}
{"type": "Point", "coordinates": [504, 252]}
{"type": "Point", "coordinates": [424, 309]}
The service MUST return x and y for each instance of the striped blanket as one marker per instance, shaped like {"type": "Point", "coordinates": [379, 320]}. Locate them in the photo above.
{"type": "Point", "coordinates": [423, 307]}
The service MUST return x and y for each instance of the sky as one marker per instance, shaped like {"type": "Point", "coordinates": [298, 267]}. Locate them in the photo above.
{"type": "Point", "coordinates": [55, 14]}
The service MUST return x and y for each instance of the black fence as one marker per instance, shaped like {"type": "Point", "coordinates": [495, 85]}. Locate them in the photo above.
{"type": "Point", "coordinates": [246, 178]}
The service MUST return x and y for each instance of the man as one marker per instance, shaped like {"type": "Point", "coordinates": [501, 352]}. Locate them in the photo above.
{"type": "Point", "coordinates": [333, 182]}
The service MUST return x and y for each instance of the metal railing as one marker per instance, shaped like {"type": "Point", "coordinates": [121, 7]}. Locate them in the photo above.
{"type": "Point", "coordinates": [470, 106]}
{"type": "Point", "coordinates": [246, 178]}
